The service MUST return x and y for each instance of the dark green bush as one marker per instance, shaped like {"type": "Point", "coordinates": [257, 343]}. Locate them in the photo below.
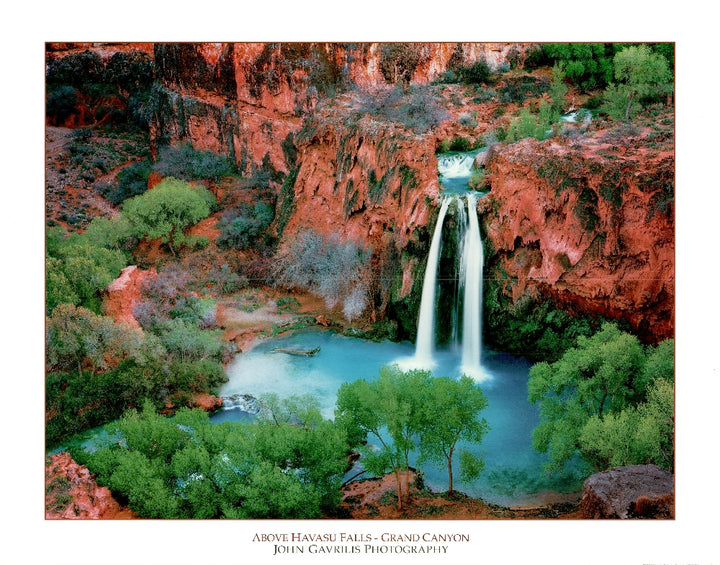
{"type": "Point", "coordinates": [61, 103]}
{"type": "Point", "coordinates": [131, 181]}
{"type": "Point", "coordinates": [243, 229]}
{"type": "Point", "coordinates": [187, 163]}
{"type": "Point", "coordinates": [478, 73]}
{"type": "Point", "coordinates": [78, 70]}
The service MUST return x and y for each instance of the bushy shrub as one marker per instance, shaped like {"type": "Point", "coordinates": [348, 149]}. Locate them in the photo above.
{"type": "Point", "coordinates": [242, 230]}
{"type": "Point", "coordinates": [398, 61]}
{"type": "Point", "coordinates": [61, 103]}
{"type": "Point", "coordinates": [415, 107]}
{"type": "Point", "coordinates": [336, 271]}
{"type": "Point", "coordinates": [187, 467]}
{"type": "Point", "coordinates": [131, 181]}
{"type": "Point", "coordinates": [167, 210]}
{"type": "Point", "coordinates": [78, 267]}
{"type": "Point", "coordinates": [587, 65]}
{"type": "Point", "coordinates": [187, 163]}
{"type": "Point", "coordinates": [77, 69]}
{"type": "Point", "coordinates": [477, 73]}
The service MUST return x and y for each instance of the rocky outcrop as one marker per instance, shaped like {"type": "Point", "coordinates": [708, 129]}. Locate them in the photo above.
{"type": "Point", "coordinates": [123, 294]}
{"type": "Point", "coordinates": [589, 227]}
{"type": "Point", "coordinates": [207, 402]}
{"type": "Point", "coordinates": [634, 491]}
{"type": "Point", "coordinates": [72, 494]}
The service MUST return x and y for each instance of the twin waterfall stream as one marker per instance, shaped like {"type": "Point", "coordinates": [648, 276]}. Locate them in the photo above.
{"type": "Point", "coordinates": [455, 169]}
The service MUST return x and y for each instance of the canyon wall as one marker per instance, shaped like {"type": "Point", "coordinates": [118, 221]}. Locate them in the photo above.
{"type": "Point", "coordinates": [245, 99]}
{"type": "Point", "coordinates": [589, 226]}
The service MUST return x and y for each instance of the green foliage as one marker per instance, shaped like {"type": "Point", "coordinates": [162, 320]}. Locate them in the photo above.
{"type": "Point", "coordinates": [587, 65]}
{"type": "Point", "coordinates": [639, 73]}
{"type": "Point", "coordinates": [336, 271]}
{"type": "Point", "coordinates": [243, 229]}
{"type": "Point", "coordinates": [599, 384]}
{"type": "Point", "coordinates": [126, 76]}
{"type": "Point", "coordinates": [114, 233]}
{"type": "Point", "coordinates": [78, 268]}
{"type": "Point", "coordinates": [536, 126]}
{"type": "Point", "coordinates": [77, 69]}
{"type": "Point", "coordinates": [61, 102]}
{"type": "Point", "coordinates": [637, 435]}
{"type": "Point", "coordinates": [75, 336]}
{"type": "Point", "coordinates": [187, 467]}
{"type": "Point", "coordinates": [558, 88]}
{"type": "Point", "coordinates": [477, 73]}
{"type": "Point", "coordinates": [166, 210]}
{"type": "Point", "coordinates": [400, 410]}
{"type": "Point", "coordinates": [131, 181]}
{"type": "Point", "coordinates": [460, 402]}
{"type": "Point", "coordinates": [187, 342]}
{"type": "Point", "coordinates": [187, 163]}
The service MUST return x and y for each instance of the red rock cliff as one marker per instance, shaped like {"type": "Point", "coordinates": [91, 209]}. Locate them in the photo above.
{"type": "Point", "coordinates": [72, 494]}
{"type": "Point", "coordinates": [589, 226]}
{"type": "Point", "coordinates": [244, 99]}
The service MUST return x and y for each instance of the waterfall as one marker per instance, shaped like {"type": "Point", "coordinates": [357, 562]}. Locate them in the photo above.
{"type": "Point", "coordinates": [462, 224]}
{"type": "Point", "coordinates": [426, 323]}
{"type": "Point", "coordinates": [458, 165]}
{"type": "Point", "coordinates": [471, 266]}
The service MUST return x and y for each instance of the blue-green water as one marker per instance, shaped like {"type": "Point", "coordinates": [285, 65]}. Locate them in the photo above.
{"type": "Point", "coordinates": [513, 472]}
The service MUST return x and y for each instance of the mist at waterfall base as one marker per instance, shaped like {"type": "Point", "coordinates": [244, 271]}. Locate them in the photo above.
{"type": "Point", "coordinates": [514, 473]}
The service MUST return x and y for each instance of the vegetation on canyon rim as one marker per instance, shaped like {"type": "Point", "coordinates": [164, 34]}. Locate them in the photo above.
{"type": "Point", "coordinates": [603, 395]}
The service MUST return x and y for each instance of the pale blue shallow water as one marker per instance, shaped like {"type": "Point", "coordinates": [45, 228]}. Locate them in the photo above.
{"type": "Point", "coordinates": [513, 472]}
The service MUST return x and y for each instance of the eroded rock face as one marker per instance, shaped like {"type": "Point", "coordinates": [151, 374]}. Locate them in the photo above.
{"type": "Point", "coordinates": [633, 491]}
{"type": "Point", "coordinates": [596, 234]}
{"type": "Point", "coordinates": [124, 293]}
{"type": "Point", "coordinates": [72, 494]}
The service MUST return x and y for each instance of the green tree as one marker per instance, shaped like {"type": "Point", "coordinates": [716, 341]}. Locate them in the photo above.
{"type": "Point", "coordinates": [558, 88]}
{"type": "Point", "coordinates": [188, 467]}
{"type": "Point", "coordinates": [75, 335]}
{"type": "Point", "coordinates": [77, 268]}
{"type": "Point", "coordinates": [588, 65]}
{"type": "Point", "coordinates": [452, 414]}
{"type": "Point", "coordinates": [167, 210]}
{"type": "Point", "coordinates": [600, 377]}
{"type": "Point", "coordinates": [413, 411]}
{"type": "Point", "coordinates": [388, 408]}
{"type": "Point", "coordinates": [638, 73]}
{"type": "Point", "coordinates": [637, 435]}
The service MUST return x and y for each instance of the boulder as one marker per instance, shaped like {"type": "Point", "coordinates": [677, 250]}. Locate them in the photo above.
{"type": "Point", "coordinates": [633, 491]}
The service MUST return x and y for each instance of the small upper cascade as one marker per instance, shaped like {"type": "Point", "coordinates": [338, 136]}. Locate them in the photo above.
{"type": "Point", "coordinates": [456, 165]}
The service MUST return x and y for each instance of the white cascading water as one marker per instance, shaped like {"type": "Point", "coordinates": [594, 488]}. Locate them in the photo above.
{"type": "Point", "coordinates": [426, 322]}
{"type": "Point", "coordinates": [462, 225]}
{"type": "Point", "coordinates": [453, 166]}
{"type": "Point", "coordinates": [471, 272]}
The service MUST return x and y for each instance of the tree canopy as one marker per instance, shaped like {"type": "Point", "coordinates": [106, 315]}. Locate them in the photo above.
{"type": "Point", "coordinates": [167, 210]}
{"type": "Point", "coordinates": [401, 411]}
{"type": "Point", "coordinates": [582, 395]}
{"type": "Point", "coordinates": [188, 467]}
{"type": "Point", "coordinates": [639, 72]}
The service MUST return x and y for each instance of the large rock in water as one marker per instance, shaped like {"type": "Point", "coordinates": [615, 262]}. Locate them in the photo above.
{"type": "Point", "coordinates": [634, 491]}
